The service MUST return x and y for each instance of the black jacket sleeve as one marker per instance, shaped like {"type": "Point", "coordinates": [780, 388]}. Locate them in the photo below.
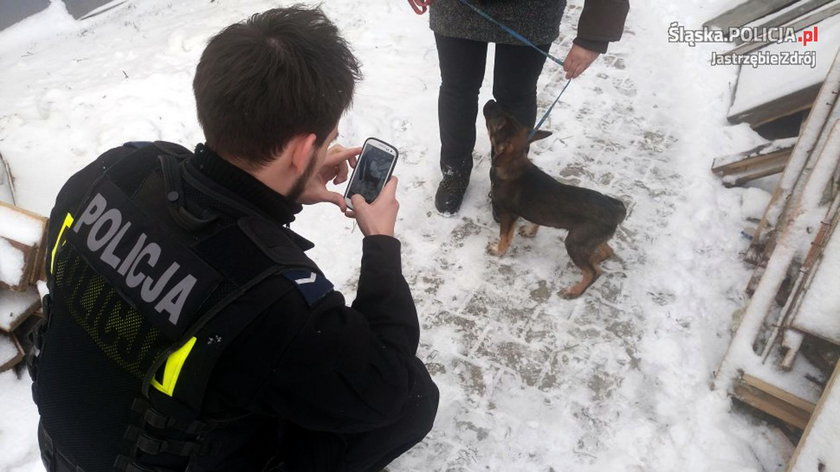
{"type": "Point", "coordinates": [601, 22]}
{"type": "Point", "coordinates": [350, 369]}
{"type": "Point", "coordinates": [384, 297]}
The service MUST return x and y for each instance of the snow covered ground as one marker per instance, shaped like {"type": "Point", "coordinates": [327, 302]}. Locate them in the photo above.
{"type": "Point", "coordinates": [617, 380]}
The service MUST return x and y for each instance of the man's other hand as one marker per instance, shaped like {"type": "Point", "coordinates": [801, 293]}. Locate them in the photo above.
{"type": "Point", "coordinates": [578, 60]}
{"type": "Point", "coordinates": [378, 217]}
{"type": "Point", "coordinates": [334, 167]}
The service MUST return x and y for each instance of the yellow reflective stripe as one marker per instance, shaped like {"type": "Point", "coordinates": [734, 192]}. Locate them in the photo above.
{"type": "Point", "coordinates": [173, 368]}
{"type": "Point", "coordinates": [68, 222]}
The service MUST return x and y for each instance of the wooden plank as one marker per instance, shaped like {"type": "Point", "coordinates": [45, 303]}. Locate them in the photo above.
{"type": "Point", "coordinates": [817, 449]}
{"type": "Point", "coordinates": [746, 12]}
{"type": "Point", "coordinates": [789, 104]}
{"type": "Point", "coordinates": [18, 271]}
{"type": "Point", "coordinates": [735, 161]}
{"type": "Point", "coordinates": [751, 162]}
{"type": "Point", "coordinates": [754, 175]}
{"type": "Point", "coordinates": [752, 167]}
{"type": "Point", "coordinates": [798, 25]}
{"type": "Point", "coordinates": [33, 250]}
{"type": "Point", "coordinates": [39, 272]}
{"type": "Point", "coordinates": [24, 211]}
{"type": "Point", "coordinates": [786, 397]}
{"type": "Point", "coordinates": [16, 307]}
{"type": "Point", "coordinates": [796, 414]}
{"type": "Point", "coordinates": [7, 187]}
{"type": "Point", "coordinates": [10, 351]}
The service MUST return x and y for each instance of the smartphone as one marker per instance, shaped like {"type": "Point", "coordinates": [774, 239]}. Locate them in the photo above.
{"type": "Point", "coordinates": [373, 169]}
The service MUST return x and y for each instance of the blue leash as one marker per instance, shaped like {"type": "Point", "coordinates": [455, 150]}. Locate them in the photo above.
{"type": "Point", "coordinates": [548, 112]}
{"type": "Point", "coordinates": [527, 42]}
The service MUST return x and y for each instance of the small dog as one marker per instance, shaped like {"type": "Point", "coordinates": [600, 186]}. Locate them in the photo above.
{"type": "Point", "coordinates": [521, 189]}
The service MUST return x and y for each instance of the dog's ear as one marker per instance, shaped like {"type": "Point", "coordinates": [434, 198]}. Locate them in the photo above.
{"type": "Point", "coordinates": [540, 134]}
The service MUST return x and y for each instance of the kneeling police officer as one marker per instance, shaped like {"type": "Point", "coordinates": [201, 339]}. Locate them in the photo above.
{"type": "Point", "coordinates": [186, 328]}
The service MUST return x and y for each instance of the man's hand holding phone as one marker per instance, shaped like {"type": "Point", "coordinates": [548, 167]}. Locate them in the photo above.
{"type": "Point", "coordinates": [378, 217]}
{"type": "Point", "coordinates": [371, 193]}
{"type": "Point", "coordinates": [333, 168]}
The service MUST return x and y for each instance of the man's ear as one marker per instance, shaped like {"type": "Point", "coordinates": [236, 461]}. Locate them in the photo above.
{"type": "Point", "coordinates": [540, 134]}
{"type": "Point", "coordinates": [302, 149]}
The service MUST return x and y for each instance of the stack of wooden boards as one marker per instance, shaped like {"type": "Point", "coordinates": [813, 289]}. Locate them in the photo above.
{"type": "Point", "coordinates": [768, 92]}
{"type": "Point", "coordinates": [783, 356]}
{"type": "Point", "coordinates": [22, 256]}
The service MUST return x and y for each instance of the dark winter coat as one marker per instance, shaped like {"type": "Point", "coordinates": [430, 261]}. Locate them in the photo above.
{"type": "Point", "coordinates": [600, 22]}
{"type": "Point", "coordinates": [307, 360]}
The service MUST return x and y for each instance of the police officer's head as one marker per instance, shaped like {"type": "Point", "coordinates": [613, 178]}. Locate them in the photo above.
{"type": "Point", "coordinates": [280, 74]}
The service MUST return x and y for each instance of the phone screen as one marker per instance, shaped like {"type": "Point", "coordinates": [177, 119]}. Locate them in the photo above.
{"type": "Point", "coordinates": [372, 171]}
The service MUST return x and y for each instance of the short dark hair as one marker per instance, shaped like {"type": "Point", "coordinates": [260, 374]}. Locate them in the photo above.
{"type": "Point", "coordinates": [280, 73]}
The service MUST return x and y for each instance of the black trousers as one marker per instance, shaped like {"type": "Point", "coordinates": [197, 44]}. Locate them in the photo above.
{"type": "Point", "coordinates": [371, 451]}
{"type": "Point", "coordinates": [312, 451]}
{"type": "Point", "coordinates": [462, 63]}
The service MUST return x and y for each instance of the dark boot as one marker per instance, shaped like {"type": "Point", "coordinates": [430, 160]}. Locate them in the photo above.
{"type": "Point", "coordinates": [450, 193]}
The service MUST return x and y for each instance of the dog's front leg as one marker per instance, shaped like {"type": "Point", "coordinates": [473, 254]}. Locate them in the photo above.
{"type": "Point", "coordinates": [506, 227]}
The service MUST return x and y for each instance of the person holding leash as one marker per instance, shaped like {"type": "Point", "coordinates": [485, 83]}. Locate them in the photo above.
{"type": "Point", "coordinates": [461, 37]}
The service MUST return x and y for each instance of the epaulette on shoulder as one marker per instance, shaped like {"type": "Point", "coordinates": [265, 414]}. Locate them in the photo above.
{"type": "Point", "coordinates": [313, 286]}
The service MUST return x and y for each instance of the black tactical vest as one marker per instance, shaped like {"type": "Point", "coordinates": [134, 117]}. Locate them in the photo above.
{"type": "Point", "coordinates": [147, 288]}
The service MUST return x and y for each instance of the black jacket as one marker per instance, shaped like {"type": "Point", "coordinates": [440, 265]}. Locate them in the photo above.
{"type": "Point", "coordinates": [308, 361]}
{"type": "Point", "coordinates": [326, 367]}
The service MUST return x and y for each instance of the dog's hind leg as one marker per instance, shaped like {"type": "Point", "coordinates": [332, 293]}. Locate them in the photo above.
{"type": "Point", "coordinates": [585, 255]}
{"type": "Point", "coordinates": [604, 252]}
{"type": "Point", "coordinates": [506, 227]}
{"type": "Point", "coordinates": [529, 230]}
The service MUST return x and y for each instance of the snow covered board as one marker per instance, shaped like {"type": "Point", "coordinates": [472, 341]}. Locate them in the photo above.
{"type": "Point", "coordinates": [7, 191]}
{"type": "Point", "coordinates": [10, 351]}
{"type": "Point", "coordinates": [818, 448]}
{"type": "Point", "coordinates": [15, 307]}
{"type": "Point", "coordinates": [772, 91]}
{"type": "Point", "coordinates": [819, 314]}
{"type": "Point", "coordinates": [22, 247]}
